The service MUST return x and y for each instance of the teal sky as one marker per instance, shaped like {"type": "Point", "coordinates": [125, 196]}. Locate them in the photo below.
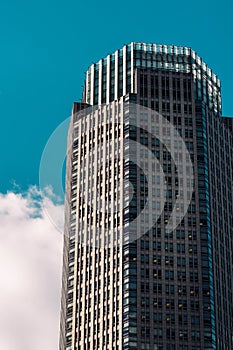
{"type": "Point", "coordinates": [46, 46]}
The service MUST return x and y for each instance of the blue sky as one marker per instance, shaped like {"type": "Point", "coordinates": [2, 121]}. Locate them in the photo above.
{"type": "Point", "coordinates": [46, 46]}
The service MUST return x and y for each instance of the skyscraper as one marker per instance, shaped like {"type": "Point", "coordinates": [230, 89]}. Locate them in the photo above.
{"type": "Point", "coordinates": [148, 224]}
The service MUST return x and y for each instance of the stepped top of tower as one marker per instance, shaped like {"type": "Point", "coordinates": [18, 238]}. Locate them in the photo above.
{"type": "Point", "coordinates": [167, 53]}
{"type": "Point", "coordinates": [115, 75]}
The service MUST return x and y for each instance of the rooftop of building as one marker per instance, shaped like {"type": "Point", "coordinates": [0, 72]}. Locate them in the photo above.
{"type": "Point", "coordinates": [171, 52]}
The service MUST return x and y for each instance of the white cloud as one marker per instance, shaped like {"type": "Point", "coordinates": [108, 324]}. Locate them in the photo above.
{"type": "Point", "coordinates": [30, 272]}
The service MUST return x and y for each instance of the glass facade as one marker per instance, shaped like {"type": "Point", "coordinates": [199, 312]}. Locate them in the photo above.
{"type": "Point", "coordinates": [128, 282]}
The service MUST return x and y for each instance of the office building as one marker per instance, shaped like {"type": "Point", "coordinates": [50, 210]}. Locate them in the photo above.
{"type": "Point", "coordinates": [149, 220]}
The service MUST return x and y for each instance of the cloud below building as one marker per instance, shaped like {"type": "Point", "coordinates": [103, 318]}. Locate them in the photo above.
{"type": "Point", "coordinates": [30, 270]}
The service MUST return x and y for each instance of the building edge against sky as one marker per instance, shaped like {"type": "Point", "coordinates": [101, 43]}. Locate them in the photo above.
{"type": "Point", "coordinates": [162, 291]}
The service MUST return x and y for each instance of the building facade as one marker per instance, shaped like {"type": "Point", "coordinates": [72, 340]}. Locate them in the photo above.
{"type": "Point", "coordinates": [148, 238]}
